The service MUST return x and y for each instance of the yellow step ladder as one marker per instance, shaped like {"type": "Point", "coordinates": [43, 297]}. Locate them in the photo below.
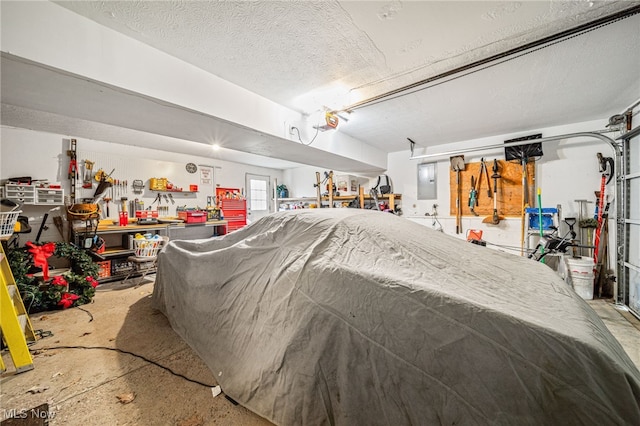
{"type": "Point", "coordinates": [15, 326]}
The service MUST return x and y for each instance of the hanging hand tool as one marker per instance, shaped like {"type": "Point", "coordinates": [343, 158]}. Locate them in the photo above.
{"type": "Point", "coordinates": [173, 201]}
{"type": "Point", "coordinates": [105, 184]}
{"type": "Point", "coordinates": [494, 219]}
{"type": "Point", "coordinates": [88, 172]}
{"type": "Point", "coordinates": [457, 165]}
{"type": "Point", "coordinates": [473, 199]}
{"type": "Point", "coordinates": [102, 176]}
{"type": "Point", "coordinates": [483, 167]}
{"type": "Point", "coordinates": [106, 201]}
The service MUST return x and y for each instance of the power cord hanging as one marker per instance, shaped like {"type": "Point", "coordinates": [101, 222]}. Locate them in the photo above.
{"type": "Point", "coordinates": [434, 221]}
{"type": "Point", "coordinates": [132, 354]}
{"type": "Point", "coordinates": [293, 128]}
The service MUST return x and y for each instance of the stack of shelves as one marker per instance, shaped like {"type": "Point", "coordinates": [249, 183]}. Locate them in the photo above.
{"type": "Point", "coordinates": [118, 241]}
{"type": "Point", "coordinates": [31, 194]}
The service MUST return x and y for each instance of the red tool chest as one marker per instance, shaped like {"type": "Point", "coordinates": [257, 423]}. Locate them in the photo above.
{"type": "Point", "coordinates": [234, 207]}
{"type": "Point", "coordinates": [193, 216]}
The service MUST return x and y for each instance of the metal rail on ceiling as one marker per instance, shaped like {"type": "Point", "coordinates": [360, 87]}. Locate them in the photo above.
{"type": "Point", "coordinates": [612, 143]}
{"type": "Point", "coordinates": [571, 32]}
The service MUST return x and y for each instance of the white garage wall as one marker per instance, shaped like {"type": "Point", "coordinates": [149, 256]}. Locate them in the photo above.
{"type": "Point", "coordinates": [568, 171]}
{"type": "Point", "coordinates": [43, 156]}
{"type": "Point", "coordinates": [47, 33]}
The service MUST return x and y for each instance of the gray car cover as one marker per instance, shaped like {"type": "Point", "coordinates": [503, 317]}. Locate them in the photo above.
{"type": "Point", "coordinates": [358, 317]}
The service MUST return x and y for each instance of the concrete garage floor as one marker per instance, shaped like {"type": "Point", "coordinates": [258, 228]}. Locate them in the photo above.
{"type": "Point", "coordinates": [85, 386]}
{"type": "Point", "coordinates": [82, 386]}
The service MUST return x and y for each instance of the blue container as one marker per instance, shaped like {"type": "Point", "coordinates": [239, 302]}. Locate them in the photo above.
{"type": "Point", "coordinates": [547, 217]}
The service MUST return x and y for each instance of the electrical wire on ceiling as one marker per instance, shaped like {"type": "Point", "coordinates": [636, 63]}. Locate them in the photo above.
{"type": "Point", "coordinates": [493, 60]}
{"type": "Point", "coordinates": [295, 129]}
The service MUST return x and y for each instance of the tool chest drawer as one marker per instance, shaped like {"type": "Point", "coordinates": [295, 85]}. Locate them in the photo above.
{"type": "Point", "coordinates": [24, 194]}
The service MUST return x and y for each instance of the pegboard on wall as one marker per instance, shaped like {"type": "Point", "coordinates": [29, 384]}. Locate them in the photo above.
{"type": "Point", "coordinates": [128, 169]}
{"type": "Point", "coordinates": [509, 190]}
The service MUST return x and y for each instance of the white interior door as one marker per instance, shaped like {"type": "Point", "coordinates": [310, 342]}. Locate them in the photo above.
{"type": "Point", "coordinates": [258, 199]}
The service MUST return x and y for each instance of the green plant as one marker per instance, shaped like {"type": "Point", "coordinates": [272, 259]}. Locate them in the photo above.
{"type": "Point", "coordinates": [72, 288]}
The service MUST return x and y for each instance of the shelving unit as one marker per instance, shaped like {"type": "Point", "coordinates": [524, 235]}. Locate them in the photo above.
{"type": "Point", "coordinates": [33, 195]}
{"type": "Point", "coordinates": [391, 199]}
{"type": "Point", "coordinates": [118, 246]}
{"type": "Point", "coordinates": [174, 192]}
{"type": "Point", "coordinates": [119, 241]}
{"type": "Point", "coordinates": [24, 194]}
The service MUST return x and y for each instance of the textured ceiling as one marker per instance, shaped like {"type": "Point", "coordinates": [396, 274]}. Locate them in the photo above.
{"type": "Point", "coordinates": [309, 54]}
{"type": "Point", "coordinates": [283, 50]}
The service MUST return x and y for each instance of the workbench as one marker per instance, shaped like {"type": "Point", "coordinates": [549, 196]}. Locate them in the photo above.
{"type": "Point", "coordinates": [118, 241]}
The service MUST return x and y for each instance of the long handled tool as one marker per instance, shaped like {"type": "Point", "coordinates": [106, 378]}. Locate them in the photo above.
{"type": "Point", "coordinates": [483, 167]}
{"type": "Point", "coordinates": [457, 165]}
{"type": "Point", "coordinates": [525, 202]}
{"type": "Point", "coordinates": [606, 168]}
{"type": "Point", "coordinates": [318, 190]}
{"type": "Point", "coordinates": [495, 218]}
{"type": "Point", "coordinates": [540, 226]}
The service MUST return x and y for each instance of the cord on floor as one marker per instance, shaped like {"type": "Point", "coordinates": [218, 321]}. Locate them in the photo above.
{"type": "Point", "coordinates": [128, 353]}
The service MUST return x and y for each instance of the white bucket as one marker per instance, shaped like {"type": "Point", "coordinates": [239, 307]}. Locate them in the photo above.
{"type": "Point", "coordinates": [581, 273]}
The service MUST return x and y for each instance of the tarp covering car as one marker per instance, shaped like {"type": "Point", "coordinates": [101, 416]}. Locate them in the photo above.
{"type": "Point", "coordinates": [357, 317]}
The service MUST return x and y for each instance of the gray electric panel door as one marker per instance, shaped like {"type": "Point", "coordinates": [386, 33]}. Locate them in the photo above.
{"type": "Point", "coordinates": [427, 181]}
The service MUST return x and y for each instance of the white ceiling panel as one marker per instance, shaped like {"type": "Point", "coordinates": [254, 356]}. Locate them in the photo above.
{"type": "Point", "coordinates": [296, 52]}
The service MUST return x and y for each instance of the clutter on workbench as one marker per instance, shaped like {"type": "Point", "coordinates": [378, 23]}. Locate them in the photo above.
{"type": "Point", "coordinates": [193, 216]}
{"type": "Point", "coordinates": [146, 214]}
{"type": "Point", "coordinates": [124, 218]}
